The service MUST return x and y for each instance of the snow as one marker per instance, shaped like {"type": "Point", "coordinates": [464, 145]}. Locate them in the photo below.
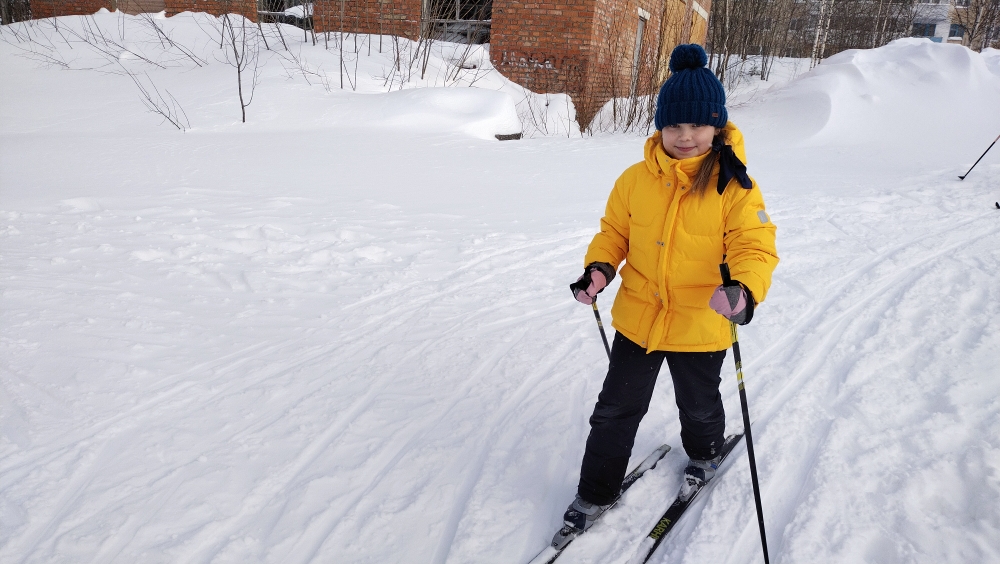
{"type": "Point", "coordinates": [341, 331]}
{"type": "Point", "coordinates": [874, 97]}
{"type": "Point", "coordinates": [298, 88]}
{"type": "Point", "coordinates": [300, 11]}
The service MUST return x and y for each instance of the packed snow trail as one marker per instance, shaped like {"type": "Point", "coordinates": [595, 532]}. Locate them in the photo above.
{"type": "Point", "coordinates": [300, 340]}
{"type": "Point", "coordinates": [350, 367]}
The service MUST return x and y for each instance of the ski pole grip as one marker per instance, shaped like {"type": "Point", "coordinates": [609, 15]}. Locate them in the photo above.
{"type": "Point", "coordinates": [724, 270]}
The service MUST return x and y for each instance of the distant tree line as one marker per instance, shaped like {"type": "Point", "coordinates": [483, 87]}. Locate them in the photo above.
{"type": "Point", "coordinates": [14, 11]}
{"type": "Point", "coordinates": [765, 29]}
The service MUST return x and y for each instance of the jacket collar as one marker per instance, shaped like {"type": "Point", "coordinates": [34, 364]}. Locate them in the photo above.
{"type": "Point", "coordinates": [659, 162]}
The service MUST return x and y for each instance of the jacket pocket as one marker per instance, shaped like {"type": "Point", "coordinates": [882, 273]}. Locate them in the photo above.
{"type": "Point", "coordinates": [695, 323]}
{"type": "Point", "coordinates": [630, 303]}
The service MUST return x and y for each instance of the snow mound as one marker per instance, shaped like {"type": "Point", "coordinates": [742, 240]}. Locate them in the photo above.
{"type": "Point", "coordinates": [992, 58]}
{"type": "Point", "coordinates": [474, 111]}
{"type": "Point", "coordinates": [297, 84]}
{"type": "Point", "coordinates": [910, 88]}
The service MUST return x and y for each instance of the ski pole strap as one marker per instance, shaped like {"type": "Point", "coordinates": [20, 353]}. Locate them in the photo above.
{"type": "Point", "coordinates": [727, 280]}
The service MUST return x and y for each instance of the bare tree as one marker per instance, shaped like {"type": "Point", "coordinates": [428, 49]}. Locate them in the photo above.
{"type": "Point", "coordinates": [33, 39]}
{"type": "Point", "coordinates": [862, 24]}
{"type": "Point", "coordinates": [166, 106]}
{"type": "Point", "coordinates": [979, 21]}
{"type": "Point", "coordinates": [150, 22]}
{"type": "Point", "coordinates": [745, 36]}
{"type": "Point", "coordinates": [242, 52]}
{"type": "Point", "coordinates": [632, 65]}
{"type": "Point", "coordinates": [822, 31]}
{"type": "Point", "coordinates": [341, 44]}
{"type": "Point", "coordinates": [14, 11]}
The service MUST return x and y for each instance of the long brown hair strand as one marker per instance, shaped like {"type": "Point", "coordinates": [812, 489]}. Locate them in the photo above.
{"type": "Point", "coordinates": [708, 165]}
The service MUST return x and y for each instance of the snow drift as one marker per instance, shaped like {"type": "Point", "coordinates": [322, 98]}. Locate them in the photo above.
{"type": "Point", "coordinates": [299, 85]}
{"type": "Point", "coordinates": [880, 99]}
{"type": "Point", "coordinates": [472, 111]}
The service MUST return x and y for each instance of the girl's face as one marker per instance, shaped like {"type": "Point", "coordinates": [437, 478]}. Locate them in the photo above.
{"type": "Point", "coordinates": [686, 140]}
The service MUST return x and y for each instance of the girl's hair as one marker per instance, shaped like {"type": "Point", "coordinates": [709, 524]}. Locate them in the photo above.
{"type": "Point", "coordinates": [708, 165]}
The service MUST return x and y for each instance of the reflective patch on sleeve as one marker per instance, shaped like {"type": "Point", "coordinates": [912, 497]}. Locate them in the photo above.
{"type": "Point", "coordinates": [763, 216]}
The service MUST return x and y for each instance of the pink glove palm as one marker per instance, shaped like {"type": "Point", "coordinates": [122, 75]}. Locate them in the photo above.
{"type": "Point", "coordinates": [730, 302]}
{"type": "Point", "coordinates": [587, 286]}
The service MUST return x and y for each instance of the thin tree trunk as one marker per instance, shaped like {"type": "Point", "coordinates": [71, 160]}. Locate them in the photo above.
{"type": "Point", "coordinates": [259, 28]}
{"type": "Point", "coordinates": [819, 33]}
{"type": "Point", "coordinates": [341, 44]}
{"type": "Point", "coordinates": [688, 15]}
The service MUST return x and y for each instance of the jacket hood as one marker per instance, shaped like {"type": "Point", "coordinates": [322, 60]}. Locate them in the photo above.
{"type": "Point", "coordinates": [658, 161]}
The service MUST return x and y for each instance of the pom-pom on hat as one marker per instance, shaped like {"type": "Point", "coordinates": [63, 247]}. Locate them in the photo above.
{"type": "Point", "coordinates": [692, 94]}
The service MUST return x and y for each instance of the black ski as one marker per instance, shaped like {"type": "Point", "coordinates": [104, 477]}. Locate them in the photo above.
{"type": "Point", "coordinates": [673, 513]}
{"type": "Point", "coordinates": [565, 536]}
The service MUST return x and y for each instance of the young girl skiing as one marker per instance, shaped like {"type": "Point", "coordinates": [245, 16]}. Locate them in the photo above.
{"type": "Point", "coordinates": [672, 219]}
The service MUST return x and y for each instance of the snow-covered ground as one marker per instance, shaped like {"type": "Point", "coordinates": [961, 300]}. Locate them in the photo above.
{"type": "Point", "coordinates": [341, 332]}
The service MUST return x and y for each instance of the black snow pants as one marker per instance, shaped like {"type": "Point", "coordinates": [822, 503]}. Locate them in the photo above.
{"type": "Point", "coordinates": [624, 400]}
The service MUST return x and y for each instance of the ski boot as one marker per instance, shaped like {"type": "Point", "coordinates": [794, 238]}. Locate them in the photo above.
{"type": "Point", "coordinates": [581, 514]}
{"type": "Point", "coordinates": [696, 475]}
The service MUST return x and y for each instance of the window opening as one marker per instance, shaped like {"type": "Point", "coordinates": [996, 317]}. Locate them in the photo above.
{"type": "Point", "coordinates": [637, 54]}
{"type": "Point", "coordinates": [292, 12]}
{"type": "Point", "coordinates": [459, 21]}
{"type": "Point", "coordinates": [923, 30]}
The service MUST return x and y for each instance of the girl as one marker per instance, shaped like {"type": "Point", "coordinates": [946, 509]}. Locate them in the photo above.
{"type": "Point", "coordinates": [673, 218]}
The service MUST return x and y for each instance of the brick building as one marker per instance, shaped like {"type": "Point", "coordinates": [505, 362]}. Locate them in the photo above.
{"type": "Point", "coordinates": [593, 50]}
{"type": "Point", "coordinates": [38, 9]}
{"type": "Point", "coordinates": [52, 8]}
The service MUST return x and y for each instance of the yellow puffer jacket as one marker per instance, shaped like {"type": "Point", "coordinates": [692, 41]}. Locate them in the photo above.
{"type": "Point", "coordinates": [672, 243]}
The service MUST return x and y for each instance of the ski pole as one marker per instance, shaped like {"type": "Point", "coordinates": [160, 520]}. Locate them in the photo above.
{"type": "Point", "coordinates": [727, 281]}
{"type": "Point", "coordinates": [600, 326]}
{"type": "Point", "coordinates": [980, 158]}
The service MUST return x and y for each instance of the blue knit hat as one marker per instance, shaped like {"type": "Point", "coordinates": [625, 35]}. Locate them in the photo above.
{"type": "Point", "coordinates": [692, 94]}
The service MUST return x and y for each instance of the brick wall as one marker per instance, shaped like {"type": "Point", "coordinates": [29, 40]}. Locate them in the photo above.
{"type": "Point", "coordinates": [544, 45]}
{"type": "Point", "coordinates": [248, 8]}
{"type": "Point", "coordinates": [615, 34]}
{"type": "Point", "coordinates": [385, 17]}
{"type": "Point", "coordinates": [52, 8]}
{"type": "Point", "coordinates": [585, 48]}
{"type": "Point", "coordinates": [141, 6]}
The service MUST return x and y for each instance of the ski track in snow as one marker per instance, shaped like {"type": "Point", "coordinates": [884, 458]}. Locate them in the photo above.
{"type": "Point", "coordinates": [816, 356]}
{"type": "Point", "coordinates": [208, 384]}
{"type": "Point", "coordinates": [850, 328]}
